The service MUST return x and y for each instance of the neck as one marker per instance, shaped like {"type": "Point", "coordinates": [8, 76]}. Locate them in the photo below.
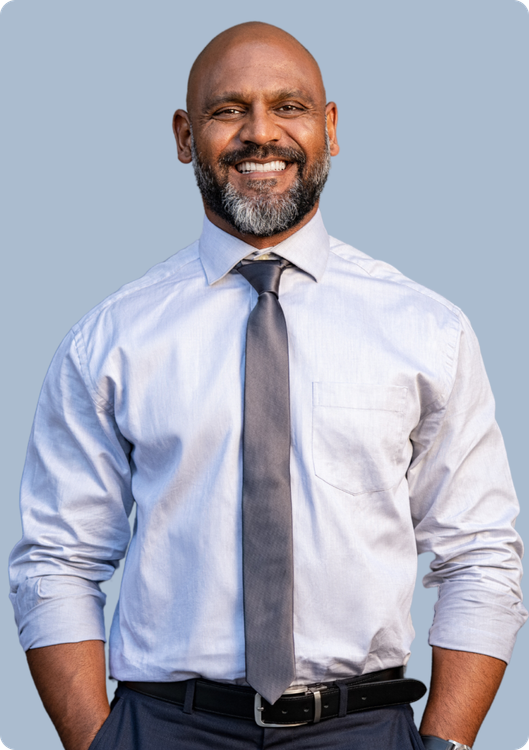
{"type": "Point", "coordinates": [260, 243]}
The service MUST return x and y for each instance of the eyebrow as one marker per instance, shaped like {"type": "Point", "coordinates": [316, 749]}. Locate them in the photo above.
{"type": "Point", "coordinates": [240, 98]}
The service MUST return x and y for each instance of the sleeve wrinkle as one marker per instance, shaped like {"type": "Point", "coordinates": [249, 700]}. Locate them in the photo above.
{"type": "Point", "coordinates": [80, 349]}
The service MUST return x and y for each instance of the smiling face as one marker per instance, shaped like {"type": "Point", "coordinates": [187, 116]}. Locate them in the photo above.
{"type": "Point", "coordinates": [258, 132]}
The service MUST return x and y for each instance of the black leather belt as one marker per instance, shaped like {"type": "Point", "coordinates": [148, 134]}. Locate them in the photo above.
{"type": "Point", "coordinates": [298, 705]}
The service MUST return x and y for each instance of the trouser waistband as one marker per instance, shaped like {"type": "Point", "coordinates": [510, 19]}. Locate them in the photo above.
{"type": "Point", "coordinates": [299, 705]}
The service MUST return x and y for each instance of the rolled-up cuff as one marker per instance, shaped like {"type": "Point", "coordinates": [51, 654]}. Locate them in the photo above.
{"type": "Point", "coordinates": [58, 609]}
{"type": "Point", "coordinates": [476, 619]}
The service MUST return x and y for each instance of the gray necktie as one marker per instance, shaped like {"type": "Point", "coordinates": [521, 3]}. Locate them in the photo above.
{"type": "Point", "coordinates": [266, 503]}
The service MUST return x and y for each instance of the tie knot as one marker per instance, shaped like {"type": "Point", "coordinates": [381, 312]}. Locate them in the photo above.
{"type": "Point", "coordinates": [263, 275]}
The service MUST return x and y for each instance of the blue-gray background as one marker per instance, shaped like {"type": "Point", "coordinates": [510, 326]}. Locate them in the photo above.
{"type": "Point", "coordinates": [432, 177]}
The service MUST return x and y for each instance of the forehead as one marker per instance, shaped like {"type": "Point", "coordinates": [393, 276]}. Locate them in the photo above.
{"type": "Point", "coordinates": [258, 69]}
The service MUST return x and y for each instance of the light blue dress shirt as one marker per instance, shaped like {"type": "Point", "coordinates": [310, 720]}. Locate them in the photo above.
{"type": "Point", "coordinates": [395, 450]}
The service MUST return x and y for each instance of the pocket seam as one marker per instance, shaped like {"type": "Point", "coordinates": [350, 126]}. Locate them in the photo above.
{"type": "Point", "coordinates": [414, 728]}
{"type": "Point", "coordinates": [321, 398]}
{"type": "Point", "coordinates": [398, 411]}
{"type": "Point", "coordinates": [401, 417]}
{"type": "Point", "coordinates": [104, 727]}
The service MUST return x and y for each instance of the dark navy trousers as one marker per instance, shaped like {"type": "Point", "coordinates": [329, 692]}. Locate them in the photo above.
{"type": "Point", "coordinates": [138, 722]}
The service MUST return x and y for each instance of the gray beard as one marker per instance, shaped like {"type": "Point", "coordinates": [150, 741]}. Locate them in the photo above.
{"type": "Point", "coordinates": [265, 213]}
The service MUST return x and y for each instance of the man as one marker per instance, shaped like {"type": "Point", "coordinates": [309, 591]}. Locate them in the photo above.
{"type": "Point", "coordinates": [391, 448]}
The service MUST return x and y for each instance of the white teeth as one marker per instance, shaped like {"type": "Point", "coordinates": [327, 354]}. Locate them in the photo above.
{"type": "Point", "coordinates": [254, 166]}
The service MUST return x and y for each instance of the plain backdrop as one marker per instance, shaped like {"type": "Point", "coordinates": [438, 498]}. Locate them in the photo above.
{"type": "Point", "coordinates": [432, 177]}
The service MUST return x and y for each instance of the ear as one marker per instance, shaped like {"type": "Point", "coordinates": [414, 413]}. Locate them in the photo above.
{"type": "Point", "coordinates": [331, 117]}
{"type": "Point", "coordinates": [182, 134]}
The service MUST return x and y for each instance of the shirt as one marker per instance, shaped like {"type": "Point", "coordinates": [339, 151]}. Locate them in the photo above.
{"type": "Point", "coordinates": [394, 451]}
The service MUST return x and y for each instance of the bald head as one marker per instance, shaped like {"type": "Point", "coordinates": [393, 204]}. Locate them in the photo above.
{"type": "Point", "coordinates": [241, 43]}
{"type": "Point", "coordinates": [258, 132]}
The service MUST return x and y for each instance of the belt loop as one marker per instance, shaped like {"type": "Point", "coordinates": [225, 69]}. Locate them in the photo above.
{"type": "Point", "coordinates": [343, 688]}
{"type": "Point", "coordinates": [190, 696]}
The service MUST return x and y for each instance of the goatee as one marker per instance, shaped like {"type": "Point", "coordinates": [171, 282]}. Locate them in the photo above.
{"type": "Point", "coordinates": [265, 213]}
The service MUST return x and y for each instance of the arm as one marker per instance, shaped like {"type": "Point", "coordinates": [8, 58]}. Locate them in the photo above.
{"type": "Point", "coordinates": [462, 689]}
{"type": "Point", "coordinates": [75, 499]}
{"type": "Point", "coordinates": [464, 508]}
{"type": "Point", "coordinates": [70, 678]}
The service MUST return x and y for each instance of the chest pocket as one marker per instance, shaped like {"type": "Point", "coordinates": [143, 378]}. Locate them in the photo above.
{"type": "Point", "coordinates": [357, 435]}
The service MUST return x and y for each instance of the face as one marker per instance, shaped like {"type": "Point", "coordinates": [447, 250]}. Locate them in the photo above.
{"type": "Point", "coordinates": [260, 136]}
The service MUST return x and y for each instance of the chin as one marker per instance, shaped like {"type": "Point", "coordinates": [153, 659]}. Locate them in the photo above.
{"type": "Point", "coordinates": [258, 186]}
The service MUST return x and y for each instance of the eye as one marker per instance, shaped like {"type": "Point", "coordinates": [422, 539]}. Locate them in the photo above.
{"type": "Point", "coordinates": [228, 112]}
{"type": "Point", "coordinates": [290, 109]}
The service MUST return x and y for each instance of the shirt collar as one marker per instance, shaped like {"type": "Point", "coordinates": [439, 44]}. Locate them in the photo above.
{"type": "Point", "coordinates": [308, 249]}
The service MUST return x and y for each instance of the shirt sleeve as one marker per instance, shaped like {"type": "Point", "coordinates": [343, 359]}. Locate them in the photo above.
{"type": "Point", "coordinates": [464, 508]}
{"type": "Point", "coordinates": [75, 502]}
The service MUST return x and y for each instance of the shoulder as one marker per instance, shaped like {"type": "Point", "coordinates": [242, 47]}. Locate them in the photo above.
{"type": "Point", "coordinates": [127, 320]}
{"type": "Point", "coordinates": [395, 282]}
{"type": "Point", "coordinates": [146, 293]}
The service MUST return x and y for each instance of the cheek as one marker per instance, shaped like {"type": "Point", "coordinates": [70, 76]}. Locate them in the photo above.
{"type": "Point", "coordinates": [215, 140]}
{"type": "Point", "coordinates": [309, 135]}
{"type": "Point", "coordinates": [304, 138]}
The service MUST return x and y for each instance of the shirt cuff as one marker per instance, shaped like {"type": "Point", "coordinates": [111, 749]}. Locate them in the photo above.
{"type": "Point", "coordinates": [479, 620]}
{"type": "Point", "coordinates": [58, 609]}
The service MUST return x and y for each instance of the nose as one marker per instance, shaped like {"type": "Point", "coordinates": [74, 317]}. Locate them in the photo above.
{"type": "Point", "coordinates": [259, 127]}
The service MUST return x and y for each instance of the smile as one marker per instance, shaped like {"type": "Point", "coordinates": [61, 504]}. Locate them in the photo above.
{"type": "Point", "coordinates": [253, 166]}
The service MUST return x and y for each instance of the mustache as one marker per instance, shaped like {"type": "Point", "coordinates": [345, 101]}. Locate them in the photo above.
{"type": "Point", "coordinates": [253, 151]}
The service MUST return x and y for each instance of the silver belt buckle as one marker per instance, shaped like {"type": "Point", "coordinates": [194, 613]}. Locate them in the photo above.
{"type": "Point", "coordinates": [294, 690]}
